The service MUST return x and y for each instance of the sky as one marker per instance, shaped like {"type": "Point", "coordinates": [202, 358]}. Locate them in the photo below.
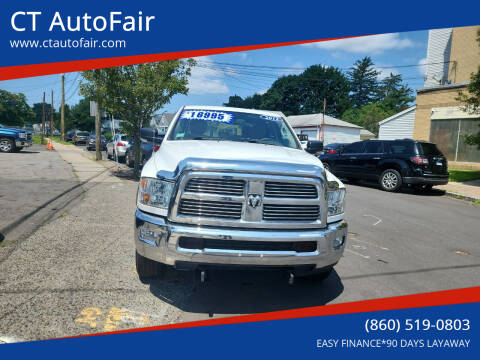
{"type": "Point", "coordinates": [217, 77]}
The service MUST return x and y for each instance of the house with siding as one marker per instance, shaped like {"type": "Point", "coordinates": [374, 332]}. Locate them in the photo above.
{"type": "Point", "coordinates": [398, 126]}
{"type": "Point", "coordinates": [335, 130]}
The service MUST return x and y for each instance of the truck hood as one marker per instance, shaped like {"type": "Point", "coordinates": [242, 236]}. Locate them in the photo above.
{"type": "Point", "coordinates": [12, 131]}
{"type": "Point", "coordinates": [172, 152]}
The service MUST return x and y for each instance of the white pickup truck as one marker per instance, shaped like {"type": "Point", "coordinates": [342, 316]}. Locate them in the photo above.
{"type": "Point", "coordinates": [233, 187]}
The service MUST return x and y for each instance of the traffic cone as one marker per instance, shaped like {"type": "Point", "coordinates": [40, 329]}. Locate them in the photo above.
{"type": "Point", "coordinates": [49, 145]}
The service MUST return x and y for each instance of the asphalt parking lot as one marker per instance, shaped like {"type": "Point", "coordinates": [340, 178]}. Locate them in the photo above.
{"type": "Point", "coordinates": [73, 271]}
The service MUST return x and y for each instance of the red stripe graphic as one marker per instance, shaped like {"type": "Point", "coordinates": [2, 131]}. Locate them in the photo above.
{"type": "Point", "coordinates": [447, 297]}
{"type": "Point", "coordinates": [22, 71]}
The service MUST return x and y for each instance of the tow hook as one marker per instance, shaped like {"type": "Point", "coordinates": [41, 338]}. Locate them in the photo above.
{"type": "Point", "coordinates": [291, 278]}
{"type": "Point", "coordinates": [203, 276]}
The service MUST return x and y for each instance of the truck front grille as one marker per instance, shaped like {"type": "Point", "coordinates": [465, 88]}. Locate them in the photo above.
{"type": "Point", "coordinates": [290, 190]}
{"type": "Point", "coordinates": [216, 186]}
{"type": "Point", "coordinates": [274, 212]}
{"type": "Point", "coordinates": [249, 200]}
{"type": "Point", "coordinates": [238, 245]}
{"type": "Point", "coordinates": [216, 209]}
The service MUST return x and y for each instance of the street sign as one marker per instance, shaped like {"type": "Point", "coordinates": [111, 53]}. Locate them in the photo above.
{"type": "Point", "coordinates": [93, 108]}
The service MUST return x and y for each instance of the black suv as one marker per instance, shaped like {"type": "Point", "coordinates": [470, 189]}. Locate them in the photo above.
{"type": "Point", "coordinates": [390, 162]}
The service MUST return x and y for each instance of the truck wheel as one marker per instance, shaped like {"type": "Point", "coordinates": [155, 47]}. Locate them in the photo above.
{"type": "Point", "coordinates": [390, 180]}
{"type": "Point", "coordinates": [148, 269]}
{"type": "Point", "coordinates": [6, 145]}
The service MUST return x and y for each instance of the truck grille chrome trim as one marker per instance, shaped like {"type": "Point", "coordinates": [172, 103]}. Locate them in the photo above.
{"type": "Point", "coordinates": [216, 209]}
{"type": "Point", "coordinates": [276, 212]}
{"type": "Point", "coordinates": [290, 190]}
{"type": "Point", "coordinates": [225, 199]}
{"type": "Point", "coordinates": [216, 186]}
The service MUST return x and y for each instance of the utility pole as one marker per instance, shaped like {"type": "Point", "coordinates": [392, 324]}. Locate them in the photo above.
{"type": "Point", "coordinates": [322, 130]}
{"type": "Point", "coordinates": [51, 118]}
{"type": "Point", "coordinates": [62, 110]}
{"type": "Point", "coordinates": [44, 118]}
{"type": "Point", "coordinates": [98, 154]}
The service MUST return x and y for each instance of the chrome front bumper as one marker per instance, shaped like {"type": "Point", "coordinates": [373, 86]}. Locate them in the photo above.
{"type": "Point", "coordinates": [158, 240]}
{"type": "Point", "coordinates": [23, 143]}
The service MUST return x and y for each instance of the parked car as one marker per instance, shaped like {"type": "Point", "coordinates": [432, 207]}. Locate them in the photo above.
{"type": "Point", "coordinates": [80, 137]}
{"type": "Point", "coordinates": [333, 148]}
{"type": "Point", "coordinates": [303, 140]}
{"type": "Point", "coordinates": [233, 187]}
{"type": "Point", "coordinates": [392, 163]}
{"type": "Point", "coordinates": [314, 147]}
{"type": "Point", "coordinates": [118, 146]}
{"type": "Point", "coordinates": [150, 141]}
{"type": "Point", "coordinates": [69, 135]}
{"type": "Point", "coordinates": [14, 140]}
{"type": "Point", "coordinates": [91, 142]}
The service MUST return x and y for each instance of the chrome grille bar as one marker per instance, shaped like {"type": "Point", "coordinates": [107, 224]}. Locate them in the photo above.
{"type": "Point", "coordinates": [203, 208]}
{"type": "Point", "coordinates": [276, 212]}
{"type": "Point", "coordinates": [290, 190]}
{"type": "Point", "coordinates": [215, 186]}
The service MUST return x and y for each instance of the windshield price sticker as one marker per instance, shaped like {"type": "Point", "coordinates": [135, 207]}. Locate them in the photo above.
{"type": "Point", "coordinates": [268, 117]}
{"type": "Point", "coordinates": [207, 115]}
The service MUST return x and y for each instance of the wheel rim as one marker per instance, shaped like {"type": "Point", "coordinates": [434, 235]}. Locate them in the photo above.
{"type": "Point", "coordinates": [5, 145]}
{"type": "Point", "coordinates": [390, 180]}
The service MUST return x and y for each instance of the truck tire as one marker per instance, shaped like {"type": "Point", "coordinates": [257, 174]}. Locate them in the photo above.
{"type": "Point", "coordinates": [6, 145]}
{"type": "Point", "coordinates": [148, 269]}
{"type": "Point", "coordinates": [390, 180]}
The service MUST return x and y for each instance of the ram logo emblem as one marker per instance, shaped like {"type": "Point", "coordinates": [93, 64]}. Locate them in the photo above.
{"type": "Point", "coordinates": [254, 200]}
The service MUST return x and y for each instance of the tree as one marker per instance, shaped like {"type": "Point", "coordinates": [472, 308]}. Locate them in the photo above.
{"type": "Point", "coordinates": [471, 99]}
{"type": "Point", "coordinates": [37, 109]}
{"type": "Point", "coordinates": [363, 82]}
{"type": "Point", "coordinates": [14, 109]}
{"type": "Point", "coordinates": [393, 94]}
{"type": "Point", "coordinates": [302, 94]}
{"type": "Point", "coordinates": [80, 116]}
{"type": "Point", "coordinates": [283, 95]}
{"type": "Point", "coordinates": [324, 82]}
{"type": "Point", "coordinates": [137, 91]}
{"type": "Point", "coordinates": [234, 101]}
{"type": "Point", "coordinates": [368, 116]}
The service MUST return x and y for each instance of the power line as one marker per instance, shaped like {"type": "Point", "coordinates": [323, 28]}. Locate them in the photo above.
{"type": "Point", "coordinates": [302, 68]}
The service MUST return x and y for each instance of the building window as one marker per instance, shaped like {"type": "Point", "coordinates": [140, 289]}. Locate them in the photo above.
{"type": "Point", "coordinates": [448, 135]}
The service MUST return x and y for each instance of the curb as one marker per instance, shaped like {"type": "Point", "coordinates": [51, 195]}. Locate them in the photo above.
{"type": "Point", "coordinates": [461, 196]}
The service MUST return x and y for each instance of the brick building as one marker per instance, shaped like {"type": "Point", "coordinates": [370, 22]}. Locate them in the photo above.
{"type": "Point", "coordinates": [452, 56]}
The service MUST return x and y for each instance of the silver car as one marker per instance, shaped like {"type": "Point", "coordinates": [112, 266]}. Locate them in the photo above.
{"type": "Point", "coordinates": [119, 146]}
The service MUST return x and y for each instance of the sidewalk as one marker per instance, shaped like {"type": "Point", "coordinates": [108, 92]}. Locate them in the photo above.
{"type": "Point", "coordinates": [468, 189]}
{"type": "Point", "coordinates": [84, 167]}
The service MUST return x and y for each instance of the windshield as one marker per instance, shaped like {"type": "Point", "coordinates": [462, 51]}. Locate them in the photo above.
{"type": "Point", "coordinates": [83, 133]}
{"type": "Point", "coordinates": [233, 126]}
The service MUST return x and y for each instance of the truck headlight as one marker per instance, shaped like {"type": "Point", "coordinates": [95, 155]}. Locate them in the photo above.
{"type": "Point", "coordinates": [154, 192]}
{"type": "Point", "coordinates": [336, 201]}
{"type": "Point", "coordinates": [22, 135]}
